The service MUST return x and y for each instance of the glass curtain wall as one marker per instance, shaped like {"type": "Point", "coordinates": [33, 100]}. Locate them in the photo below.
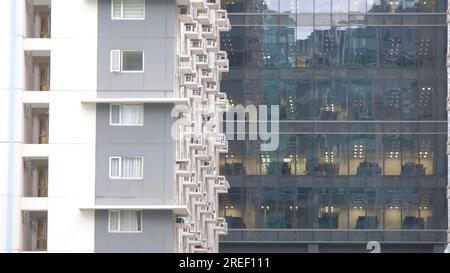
{"type": "Point", "coordinates": [362, 92]}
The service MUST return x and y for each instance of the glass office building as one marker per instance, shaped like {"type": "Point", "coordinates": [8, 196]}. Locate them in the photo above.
{"type": "Point", "coordinates": [362, 88]}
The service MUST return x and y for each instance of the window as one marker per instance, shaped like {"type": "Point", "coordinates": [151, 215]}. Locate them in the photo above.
{"type": "Point", "coordinates": [127, 60]}
{"type": "Point", "coordinates": [128, 9]}
{"type": "Point", "coordinates": [127, 115]}
{"type": "Point", "coordinates": [125, 221]}
{"type": "Point", "coordinates": [125, 167]}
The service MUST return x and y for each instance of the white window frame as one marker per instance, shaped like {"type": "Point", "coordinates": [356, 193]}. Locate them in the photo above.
{"type": "Point", "coordinates": [120, 115]}
{"type": "Point", "coordinates": [118, 223]}
{"type": "Point", "coordinates": [121, 61]}
{"type": "Point", "coordinates": [121, 12]}
{"type": "Point", "coordinates": [141, 177]}
{"type": "Point", "coordinates": [120, 167]}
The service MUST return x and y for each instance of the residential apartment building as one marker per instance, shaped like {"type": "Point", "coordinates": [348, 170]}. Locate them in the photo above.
{"type": "Point", "coordinates": [362, 90]}
{"type": "Point", "coordinates": [109, 136]}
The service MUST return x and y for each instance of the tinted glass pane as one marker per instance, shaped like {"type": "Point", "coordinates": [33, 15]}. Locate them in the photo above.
{"type": "Point", "coordinates": [132, 60]}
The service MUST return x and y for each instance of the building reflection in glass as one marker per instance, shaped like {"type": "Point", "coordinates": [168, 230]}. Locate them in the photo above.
{"type": "Point", "coordinates": [362, 89]}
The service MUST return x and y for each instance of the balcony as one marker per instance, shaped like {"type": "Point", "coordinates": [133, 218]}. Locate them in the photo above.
{"type": "Point", "coordinates": [206, 165]}
{"type": "Point", "coordinates": [198, 202]}
{"type": "Point", "coordinates": [181, 222]}
{"type": "Point", "coordinates": [187, 233]}
{"type": "Point", "coordinates": [221, 96]}
{"type": "Point", "coordinates": [221, 141]}
{"type": "Point", "coordinates": [223, 23]}
{"type": "Point", "coordinates": [221, 226]}
{"type": "Point", "coordinates": [36, 125]}
{"type": "Point", "coordinates": [203, 17]}
{"type": "Point", "coordinates": [211, 45]}
{"type": "Point", "coordinates": [222, 62]}
{"type": "Point", "coordinates": [185, 64]}
{"type": "Point", "coordinates": [37, 45]}
{"type": "Point", "coordinates": [34, 230]}
{"type": "Point", "coordinates": [222, 102]}
{"type": "Point", "coordinates": [200, 249]}
{"type": "Point", "coordinates": [183, 169]}
{"type": "Point", "coordinates": [36, 139]}
{"type": "Point", "coordinates": [221, 185]}
{"type": "Point", "coordinates": [196, 46]}
{"type": "Point", "coordinates": [191, 31]}
{"type": "Point", "coordinates": [207, 75]}
{"type": "Point", "coordinates": [196, 93]}
{"type": "Point", "coordinates": [37, 71]}
{"type": "Point", "coordinates": [35, 178]}
{"type": "Point", "coordinates": [188, 182]}
{"type": "Point", "coordinates": [209, 218]}
{"type": "Point", "coordinates": [208, 31]}
{"type": "Point", "coordinates": [201, 61]}
{"type": "Point", "coordinates": [211, 88]}
{"type": "Point", "coordinates": [222, 59]}
{"type": "Point", "coordinates": [38, 19]}
{"type": "Point", "coordinates": [196, 143]}
{"type": "Point", "coordinates": [210, 174]}
{"type": "Point", "coordinates": [198, 3]}
{"type": "Point", "coordinates": [182, 156]}
{"type": "Point", "coordinates": [221, 16]}
{"type": "Point", "coordinates": [201, 154]}
{"type": "Point", "coordinates": [213, 4]}
{"type": "Point", "coordinates": [195, 242]}
{"type": "Point", "coordinates": [206, 210]}
{"type": "Point", "coordinates": [185, 14]}
{"type": "Point", "coordinates": [190, 80]}
{"type": "Point", "coordinates": [196, 193]}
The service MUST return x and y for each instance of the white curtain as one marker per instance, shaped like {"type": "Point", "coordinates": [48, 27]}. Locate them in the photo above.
{"type": "Point", "coordinates": [117, 8]}
{"type": "Point", "coordinates": [130, 221]}
{"type": "Point", "coordinates": [131, 167]}
{"type": "Point", "coordinates": [115, 114]}
{"type": "Point", "coordinates": [133, 8]}
{"type": "Point", "coordinates": [115, 163]}
{"type": "Point", "coordinates": [132, 114]}
{"type": "Point", "coordinates": [114, 221]}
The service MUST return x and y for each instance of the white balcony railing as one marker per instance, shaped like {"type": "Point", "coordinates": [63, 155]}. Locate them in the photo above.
{"type": "Point", "coordinates": [183, 169]}
{"type": "Point", "coordinates": [191, 31]}
{"type": "Point", "coordinates": [211, 45]}
{"type": "Point", "coordinates": [196, 46]}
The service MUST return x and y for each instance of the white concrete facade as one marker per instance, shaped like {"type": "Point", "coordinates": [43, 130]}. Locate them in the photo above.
{"type": "Point", "coordinates": [69, 148]}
